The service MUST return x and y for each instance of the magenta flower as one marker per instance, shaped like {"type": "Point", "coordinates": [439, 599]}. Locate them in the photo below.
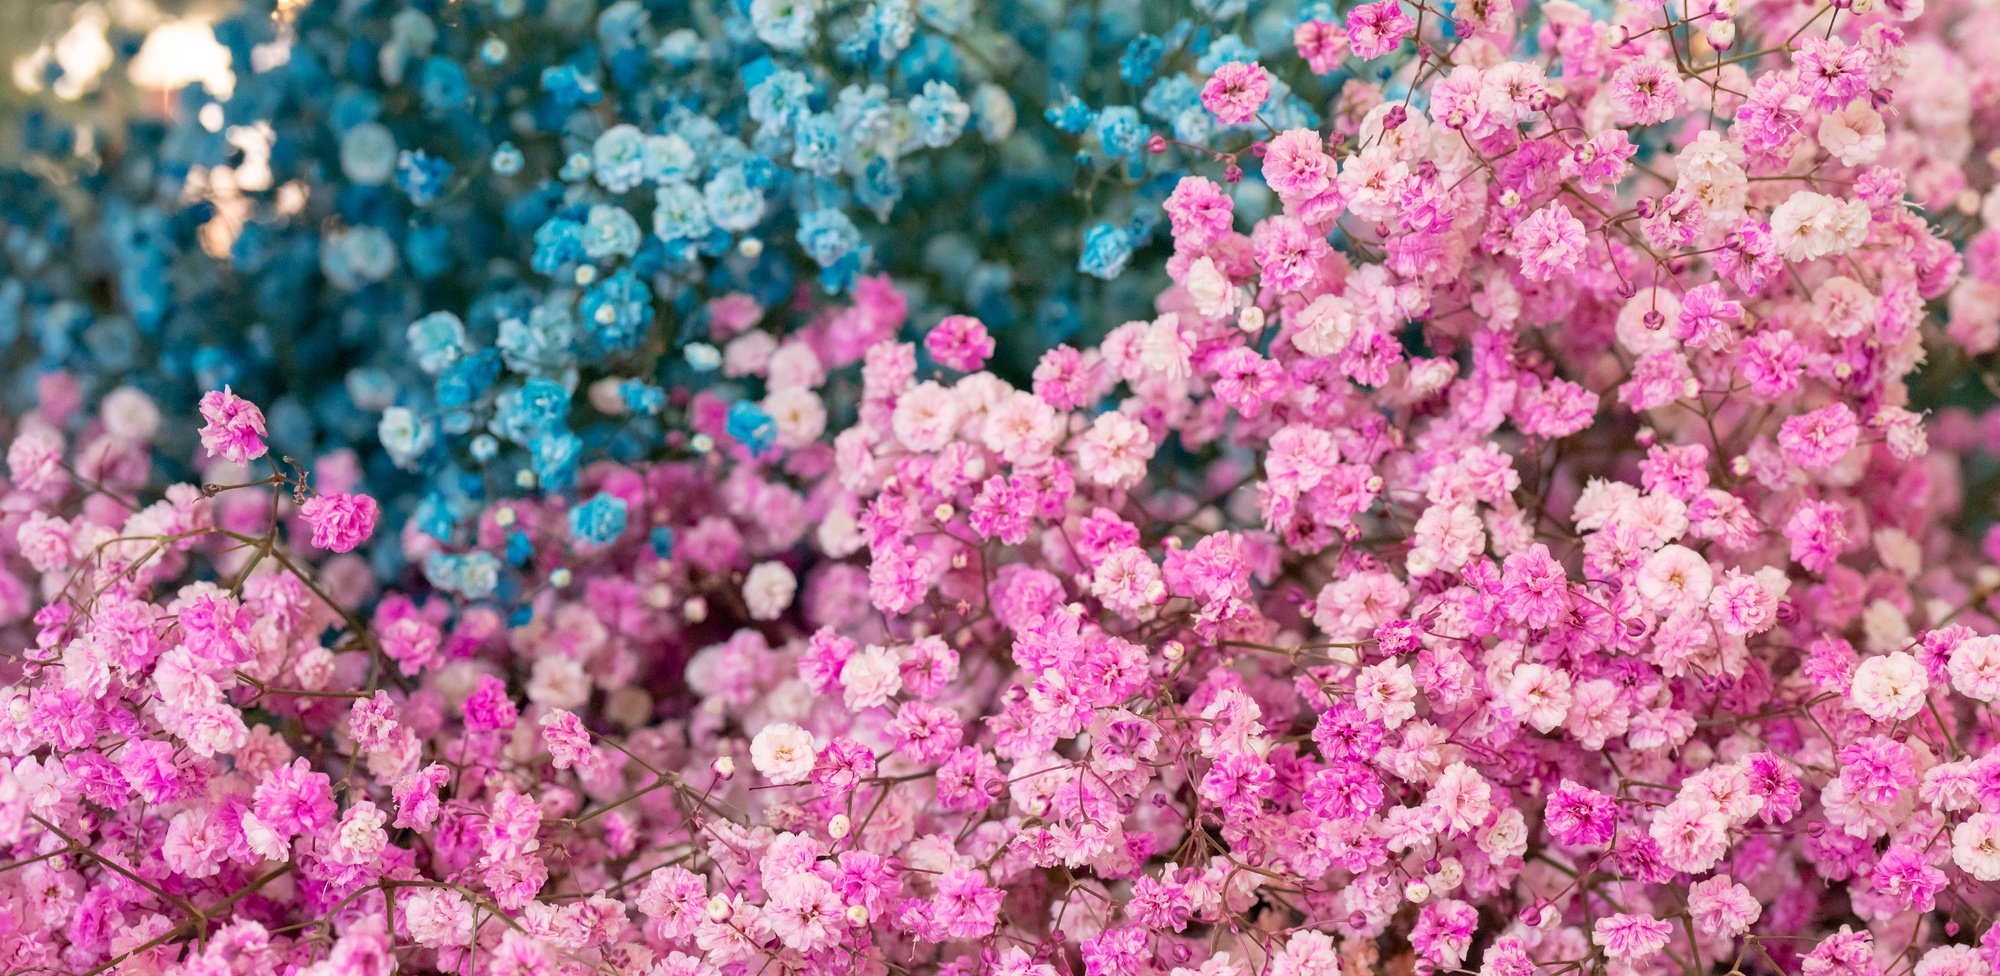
{"type": "Point", "coordinates": [341, 521]}
{"type": "Point", "coordinates": [1626, 936]}
{"type": "Point", "coordinates": [1374, 29]}
{"type": "Point", "coordinates": [234, 429]}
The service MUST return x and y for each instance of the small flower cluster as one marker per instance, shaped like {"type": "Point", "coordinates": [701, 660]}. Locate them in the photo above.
{"type": "Point", "coordinates": [1535, 530]}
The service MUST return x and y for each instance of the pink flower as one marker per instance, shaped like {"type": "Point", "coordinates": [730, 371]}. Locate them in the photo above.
{"type": "Point", "coordinates": [1625, 936]}
{"type": "Point", "coordinates": [1199, 212]}
{"type": "Point", "coordinates": [1443, 932]}
{"type": "Point", "coordinates": [960, 342]}
{"type": "Point", "coordinates": [1375, 29]}
{"type": "Point", "coordinates": [1692, 833]}
{"type": "Point", "coordinates": [1580, 816]}
{"type": "Point", "coordinates": [1296, 165]}
{"type": "Point", "coordinates": [568, 741]}
{"type": "Point", "coordinates": [341, 521]}
{"type": "Point", "coordinates": [1723, 907]}
{"type": "Point", "coordinates": [1535, 589]}
{"type": "Point", "coordinates": [35, 458]}
{"type": "Point", "coordinates": [1890, 688]}
{"type": "Point", "coordinates": [1322, 44]}
{"type": "Point", "coordinates": [1549, 242]}
{"type": "Point", "coordinates": [234, 428]}
{"type": "Point", "coordinates": [1974, 667]}
{"type": "Point", "coordinates": [1819, 438]}
{"type": "Point", "coordinates": [1235, 92]}
{"type": "Point", "coordinates": [1646, 91]}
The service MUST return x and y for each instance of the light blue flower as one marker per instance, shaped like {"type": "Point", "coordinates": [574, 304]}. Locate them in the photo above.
{"type": "Point", "coordinates": [781, 99]}
{"type": "Point", "coordinates": [941, 114]}
{"type": "Point", "coordinates": [618, 158]}
{"type": "Point", "coordinates": [732, 204]}
{"type": "Point", "coordinates": [599, 520]}
{"type": "Point", "coordinates": [368, 154]}
{"type": "Point", "coordinates": [784, 24]}
{"type": "Point", "coordinates": [680, 213]}
{"type": "Point", "coordinates": [828, 236]}
{"type": "Point", "coordinates": [610, 232]}
{"type": "Point", "coordinates": [438, 339]}
{"type": "Point", "coordinates": [1106, 248]}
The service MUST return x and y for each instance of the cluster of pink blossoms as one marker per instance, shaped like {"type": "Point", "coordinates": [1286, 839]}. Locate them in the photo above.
{"type": "Point", "coordinates": [1557, 579]}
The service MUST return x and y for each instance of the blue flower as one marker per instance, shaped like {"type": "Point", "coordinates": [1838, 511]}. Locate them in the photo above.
{"type": "Point", "coordinates": [784, 24]}
{"type": "Point", "coordinates": [1120, 131]}
{"type": "Point", "coordinates": [1106, 248]}
{"type": "Point", "coordinates": [569, 86]}
{"type": "Point", "coordinates": [732, 204]}
{"type": "Point", "coordinates": [781, 99]}
{"type": "Point", "coordinates": [817, 144]}
{"type": "Point", "coordinates": [641, 397]}
{"type": "Point", "coordinates": [1141, 60]}
{"type": "Point", "coordinates": [599, 520]}
{"type": "Point", "coordinates": [1069, 114]}
{"type": "Point", "coordinates": [555, 458]}
{"type": "Point", "coordinates": [751, 426]}
{"type": "Point", "coordinates": [507, 160]}
{"type": "Point", "coordinates": [558, 242]}
{"type": "Point", "coordinates": [828, 236]}
{"type": "Point", "coordinates": [443, 86]}
{"type": "Point", "coordinates": [531, 412]}
{"type": "Point", "coordinates": [617, 310]}
{"type": "Point", "coordinates": [421, 176]}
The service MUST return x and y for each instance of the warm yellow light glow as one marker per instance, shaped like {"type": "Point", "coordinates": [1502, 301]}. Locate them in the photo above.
{"type": "Point", "coordinates": [180, 53]}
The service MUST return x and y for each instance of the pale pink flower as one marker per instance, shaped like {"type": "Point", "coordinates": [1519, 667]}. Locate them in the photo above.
{"type": "Point", "coordinates": [1890, 687]}
{"type": "Point", "coordinates": [1549, 242]}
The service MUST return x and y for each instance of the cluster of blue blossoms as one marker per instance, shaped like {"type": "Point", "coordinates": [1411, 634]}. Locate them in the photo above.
{"type": "Point", "coordinates": [467, 213]}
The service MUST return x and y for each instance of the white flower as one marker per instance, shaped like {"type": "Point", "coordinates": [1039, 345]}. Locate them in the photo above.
{"type": "Point", "coordinates": [1889, 688]}
{"type": "Point", "coordinates": [1854, 135]}
{"type": "Point", "coordinates": [1209, 288]}
{"type": "Point", "coordinates": [1814, 225]}
{"type": "Point", "coordinates": [1975, 668]}
{"type": "Point", "coordinates": [769, 589]}
{"type": "Point", "coordinates": [799, 414]}
{"type": "Point", "coordinates": [783, 753]}
{"type": "Point", "coordinates": [1673, 577]}
{"type": "Point", "coordinates": [1975, 846]}
{"type": "Point", "coordinates": [368, 154]}
{"type": "Point", "coordinates": [1539, 695]}
{"type": "Point", "coordinates": [130, 415]}
{"type": "Point", "coordinates": [871, 677]}
{"type": "Point", "coordinates": [1326, 327]}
